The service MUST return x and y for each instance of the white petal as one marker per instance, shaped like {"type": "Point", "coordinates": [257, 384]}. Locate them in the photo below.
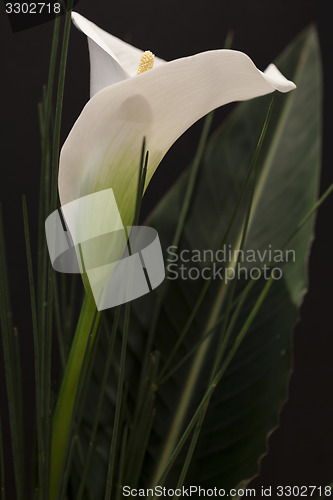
{"type": "Point", "coordinates": [111, 59]}
{"type": "Point", "coordinates": [103, 149]}
{"type": "Point", "coordinates": [276, 78]}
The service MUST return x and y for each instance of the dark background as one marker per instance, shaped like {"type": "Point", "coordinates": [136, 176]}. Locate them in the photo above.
{"type": "Point", "coordinates": [301, 449]}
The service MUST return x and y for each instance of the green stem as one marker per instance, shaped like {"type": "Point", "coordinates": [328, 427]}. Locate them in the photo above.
{"type": "Point", "coordinates": [58, 438]}
{"type": "Point", "coordinates": [45, 114]}
{"type": "Point", "coordinates": [59, 105]}
{"type": "Point", "coordinates": [121, 464]}
{"type": "Point", "coordinates": [308, 216]}
{"type": "Point", "coordinates": [117, 419]}
{"type": "Point", "coordinates": [191, 449]}
{"type": "Point", "coordinates": [92, 440]}
{"type": "Point", "coordinates": [188, 198]}
{"type": "Point", "coordinates": [65, 403]}
{"type": "Point", "coordinates": [14, 395]}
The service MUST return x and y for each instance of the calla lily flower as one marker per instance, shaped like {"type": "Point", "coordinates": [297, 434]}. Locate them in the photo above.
{"type": "Point", "coordinates": [103, 149]}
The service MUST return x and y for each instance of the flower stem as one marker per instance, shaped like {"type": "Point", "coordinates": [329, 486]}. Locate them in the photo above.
{"type": "Point", "coordinates": [117, 419]}
{"type": "Point", "coordinates": [92, 439]}
{"type": "Point", "coordinates": [59, 105]}
{"type": "Point", "coordinates": [65, 403]}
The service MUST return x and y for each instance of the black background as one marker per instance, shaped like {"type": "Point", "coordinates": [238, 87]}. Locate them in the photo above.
{"type": "Point", "coordinates": [301, 449]}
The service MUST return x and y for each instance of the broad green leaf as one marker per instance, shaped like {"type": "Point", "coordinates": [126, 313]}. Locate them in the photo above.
{"type": "Point", "coordinates": [245, 405]}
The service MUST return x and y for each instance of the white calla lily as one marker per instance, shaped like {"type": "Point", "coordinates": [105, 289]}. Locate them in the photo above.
{"type": "Point", "coordinates": [103, 148]}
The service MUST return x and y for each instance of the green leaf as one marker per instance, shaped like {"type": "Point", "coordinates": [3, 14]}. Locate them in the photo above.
{"type": "Point", "coordinates": [245, 404]}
